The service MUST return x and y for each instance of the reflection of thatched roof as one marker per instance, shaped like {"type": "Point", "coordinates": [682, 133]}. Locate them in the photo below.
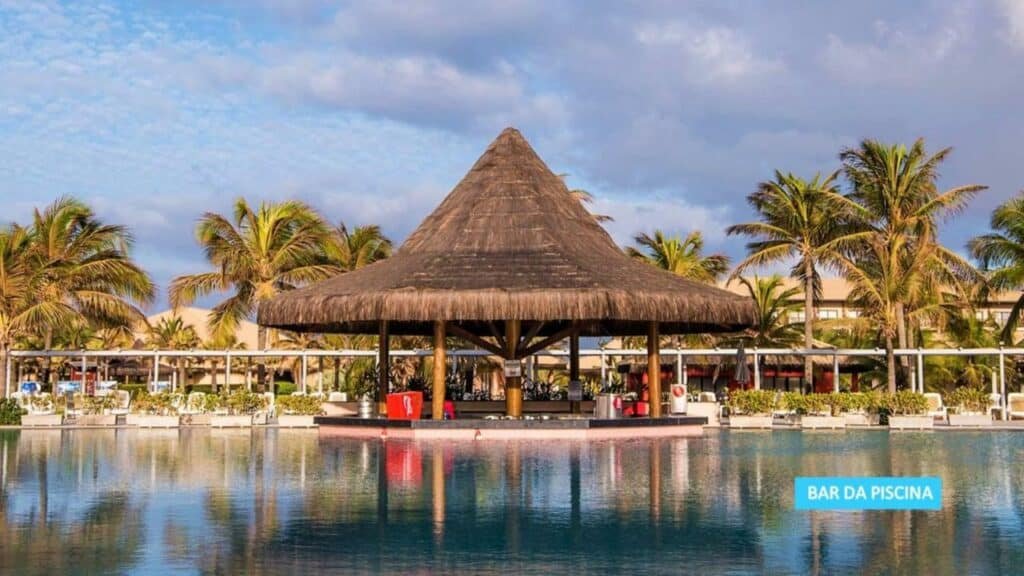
{"type": "Point", "coordinates": [509, 242]}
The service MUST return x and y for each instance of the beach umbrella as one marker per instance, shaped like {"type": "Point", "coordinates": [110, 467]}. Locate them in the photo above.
{"type": "Point", "coordinates": [742, 374]}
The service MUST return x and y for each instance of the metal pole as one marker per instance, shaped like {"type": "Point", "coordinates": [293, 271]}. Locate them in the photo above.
{"type": "Point", "coordinates": [920, 370]}
{"type": "Point", "coordinates": [679, 368]}
{"type": "Point", "coordinates": [304, 372]}
{"type": "Point", "coordinates": [7, 386]}
{"type": "Point", "coordinates": [1002, 381]}
{"type": "Point", "coordinates": [757, 370]}
{"type": "Point", "coordinates": [604, 369]}
{"type": "Point", "coordinates": [835, 373]}
{"type": "Point", "coordinates": [83, 374]}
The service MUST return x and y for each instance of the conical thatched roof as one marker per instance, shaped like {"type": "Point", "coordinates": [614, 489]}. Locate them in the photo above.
{"type": "Point", "coordinates": [509, 242]}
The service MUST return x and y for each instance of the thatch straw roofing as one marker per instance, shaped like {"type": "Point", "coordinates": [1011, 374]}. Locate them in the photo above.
{"type": "Point", "coordinates": [509, 242]}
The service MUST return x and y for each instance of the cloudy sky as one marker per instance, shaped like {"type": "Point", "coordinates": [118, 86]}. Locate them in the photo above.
{"type": "Point", "coordinates": [668, 112]}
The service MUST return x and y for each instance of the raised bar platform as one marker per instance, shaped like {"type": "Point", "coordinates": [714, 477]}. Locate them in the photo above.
{"type": "Point", "coordinates": [484, 429]}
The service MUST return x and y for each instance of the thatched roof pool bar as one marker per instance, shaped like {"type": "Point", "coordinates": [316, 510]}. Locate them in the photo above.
{"type": "Point", "coordinates": [513, 263]}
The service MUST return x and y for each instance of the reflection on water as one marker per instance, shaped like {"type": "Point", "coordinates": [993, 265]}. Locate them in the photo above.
{"type": "Point", "coordinates": [86, 502]}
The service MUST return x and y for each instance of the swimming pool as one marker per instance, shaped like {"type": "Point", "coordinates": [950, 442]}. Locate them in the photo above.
{"type": "Point", "coordinates": [278, 501]}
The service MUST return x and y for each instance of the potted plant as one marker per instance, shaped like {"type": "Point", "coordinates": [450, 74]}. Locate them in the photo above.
{"type": "Point", "coordinates": [822, 411]}
{"type": "Point", "coordinates": [96, 411]}
{"type": "Point", "coordinates": [241, 406]}
{"type": "Point", "coordinates": [41, 412]}
{"type": "Point", "coordinates": [751, 408]}
{"type": "Point", "coordinates": [968, 406]}
{"type": "Point", "coordinates": [365, 389]}
{"type": "Point", "coordinates": [908, 410]}
{"type": "Point", "coordinates": [862, 408]}
{"type": "Point", "coordinates": [298, 411]}
{"type": "Point", "coordinates": [152, 411]}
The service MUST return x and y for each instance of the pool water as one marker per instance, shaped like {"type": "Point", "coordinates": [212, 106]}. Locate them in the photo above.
{"type": "Point", "coordinates": [277, 501]}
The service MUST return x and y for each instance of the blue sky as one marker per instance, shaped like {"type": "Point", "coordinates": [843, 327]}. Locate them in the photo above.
{"type": "Point", "coordinates": [668, 112]}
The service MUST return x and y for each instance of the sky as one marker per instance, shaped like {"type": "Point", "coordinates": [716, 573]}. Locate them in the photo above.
{"type": "Point", "coordinates": [669, 113]}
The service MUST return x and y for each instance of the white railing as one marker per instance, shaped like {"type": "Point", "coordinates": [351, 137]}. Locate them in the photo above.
{"type": "Point", "coordinates": [681, 356]}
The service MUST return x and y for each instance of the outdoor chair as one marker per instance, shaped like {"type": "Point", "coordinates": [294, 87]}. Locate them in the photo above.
{"type": "Point", "coordinates": [177, 402]}
{"type": "Point", "coordinates": [1015, 405]}
{"type": "Point", "coordinates": [935, 407]}
{"type": "Point", "coordinates": [995, 405]}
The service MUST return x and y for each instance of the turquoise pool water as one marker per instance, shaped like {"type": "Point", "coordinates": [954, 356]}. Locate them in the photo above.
{"type": "Point", "coordinates": [269, 501]}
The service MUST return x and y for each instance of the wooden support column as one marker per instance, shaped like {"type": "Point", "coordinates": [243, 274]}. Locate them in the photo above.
{"type": "Point", "coordinates": [574, 368]}
{"type": "Point", "coordinates": [440, 369]}
{"type": "Point", "coordinates": [513, 386]}
{"type": "Point", "coordinates": [383, 367]}
{"type": "Point", "coordinates": [653, 370]}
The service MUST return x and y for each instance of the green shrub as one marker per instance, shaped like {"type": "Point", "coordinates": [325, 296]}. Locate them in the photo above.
{"type": "Point", "coordinates": [212, 402]}
{"type": "Point", "coordinates": [99, 404]}
{"type": "Point", "coordinates": [303, 405]}
{"type": "Point", "coordinates": [10, 412]}
{"type": "Point", "coordinates": [245, 402]}
{"type": "Point", "coordinates": [906, 403]}
{"type": "Point", "coordinates": [752, 402]}
{"type": "Point", "coordinates": [284, 388]}
{"type": "Point", "coordinates": [968, 400]}
{"type": "Point", "coordinates": [145, 403]}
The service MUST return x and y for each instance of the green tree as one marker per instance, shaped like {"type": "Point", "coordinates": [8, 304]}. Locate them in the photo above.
{"type": "Point", "coordinates": [256, 254]}
{"type": "Point", "coordinates": [681, 257]}
{"type": "Point", "coordinates": [1001, 257]}
{"type": "Point", "coordinates": [774, 304]}
{"type": "Point", "coordinates": [363, 246]}
{"type": "Point", "coordinates": [799, 220]}
{"type": "Point", "coordinates": [898, 260]}
{"type": "Point", "coordinates": [172, 333]}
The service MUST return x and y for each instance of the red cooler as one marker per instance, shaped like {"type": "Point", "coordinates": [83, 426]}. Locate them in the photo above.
{"type": "Point", "coordinates": [405, 406]}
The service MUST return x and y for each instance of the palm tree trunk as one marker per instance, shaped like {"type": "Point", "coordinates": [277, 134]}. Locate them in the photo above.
{"type": "Point", "coordinates": [182, 378]}
{"type": "Point", "coordinates": [890, 363]}
{"type": "Point", "coordinates": [3, 367]}
{"type": "Point", "coordinates": [213, 376]}
{"type": "Point", "coordinates": [808, 322]}
{"type": "Point", "coordinates": [261, 368]}
{"type": "Point", "coordinates": [901, 334]}
{"type": "Point", "coordinates": [47, 344]}
{"type": "Point", "coordinates": [337, 373]}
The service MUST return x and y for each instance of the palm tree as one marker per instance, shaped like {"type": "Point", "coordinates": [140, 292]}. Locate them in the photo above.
{"type": "Point", "coordinates": [16, 273]}
{"type": "Point", "coordinates": [774, 305]}
{"type": "Point", "coordinates": [681, 257]}
{"type": "Point", "coordinates": [171, 333]}
{"type": "Point", "coordinates": [256, 255]}
{"type": "Point", "coordinates": [585, 198]}
{"type": "Point", "coordinates": [363, 246]}
{"type": "Point", "coordinates": [898, 259]}
{"type": "Point", "coordinates": [220, 341]}
{"type": "Point", "coordinates": [85, 274]}
{"type": "Point", "coordinates": [1001, 256]}
{"type": "Point", "coordinates": [799, 220]}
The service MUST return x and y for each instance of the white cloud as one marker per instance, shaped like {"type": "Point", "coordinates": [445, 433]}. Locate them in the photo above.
{"type": "Point", "coordinates": [897, 54]}
{"type": "Point", "coordinates": [713, 53]}
{"type": "Point", "coordinates": [1013, 11]}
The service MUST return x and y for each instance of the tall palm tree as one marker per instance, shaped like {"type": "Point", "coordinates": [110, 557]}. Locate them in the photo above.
{"type": "Point", "coordinates": [362, 246]}
{"type": "Point", "coordinates": [172, 333]}
{"type": "Point", "coordinates": [899, 258]}
{"type": "Point", "coordinates": [798, 220]}
{"type": "Point", "coordinates": [85, 272]}
{"type": "Point", "coordinates": [1001, 256]}
{"type": "Point", "coordinates": [681, 257]}
{"type": "Point", "coordinates": [256, 255]}
{"type": "Point", "coordinates": [17, 320]}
